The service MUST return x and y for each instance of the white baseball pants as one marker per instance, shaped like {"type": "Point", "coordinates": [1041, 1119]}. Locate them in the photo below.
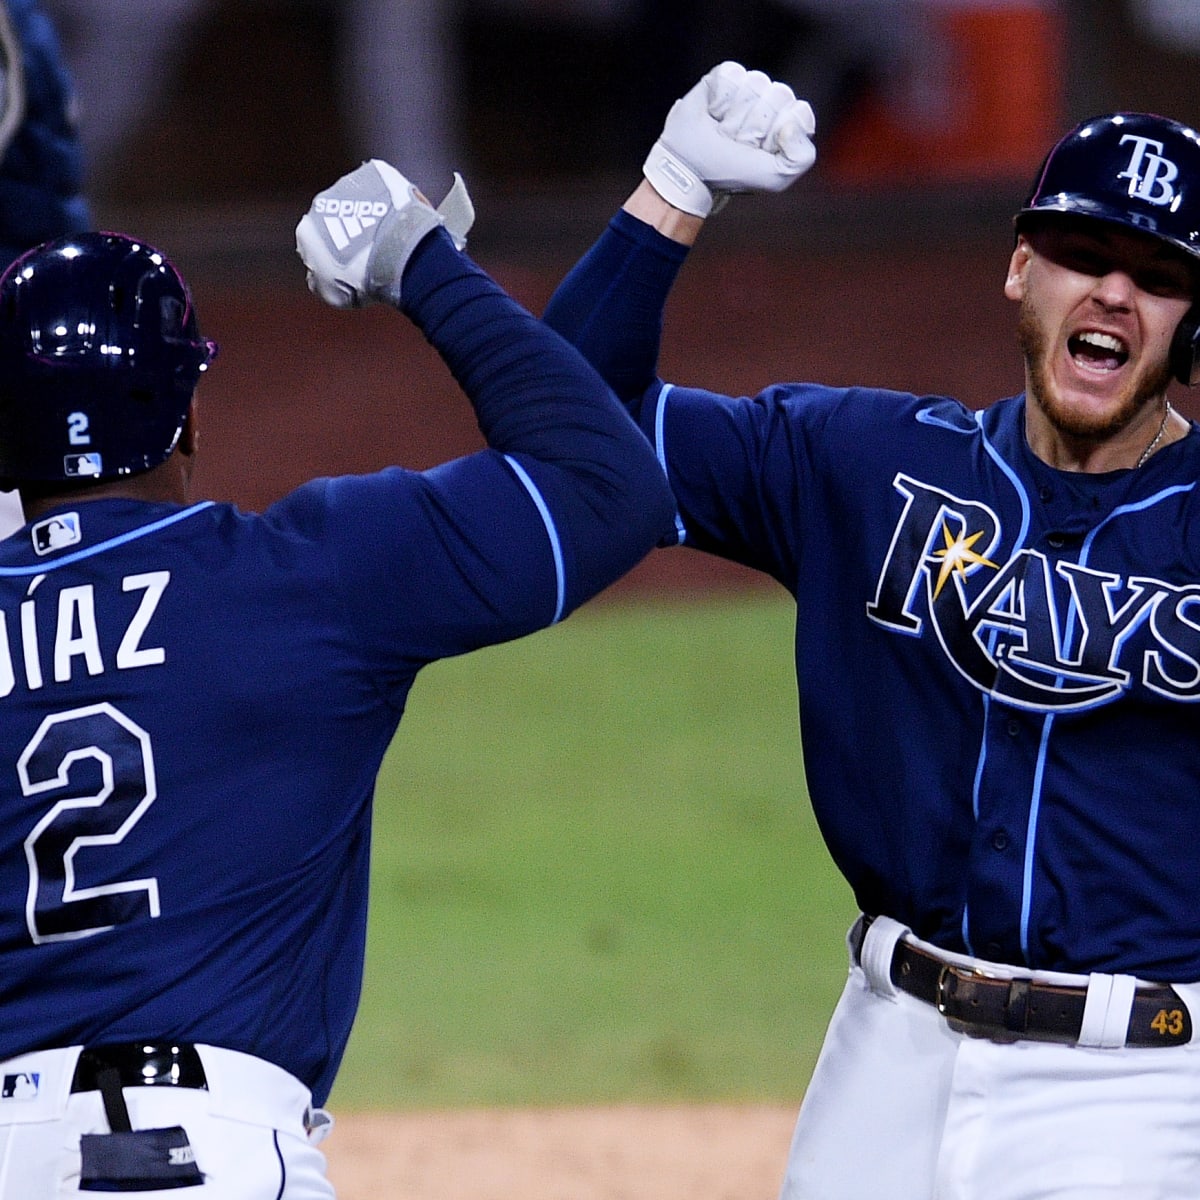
{"type": "Point", "coordinates": [248, 1133]}
{"type": "Point", "coordinates": [902, 1106]}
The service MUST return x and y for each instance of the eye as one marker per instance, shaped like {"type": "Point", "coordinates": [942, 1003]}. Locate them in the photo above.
{"type": "Point", "coordinates": [1165, 283]}
{"type": "Point", "coordinates": [1082, 259]}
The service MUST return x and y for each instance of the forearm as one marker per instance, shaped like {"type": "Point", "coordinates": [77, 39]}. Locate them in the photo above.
{"type": "Point", "coordinates": [648, 206]}
{"type": "Point", "coordinates": [611, 304]}
{"type": "Point", "coordinates": [735, 131]}
{"type": "Point", "coordinates": [565, 440]}
{"type": "Point", "coordinates": [536, 399]}
{"type": "Point", "coordinates": [527, 386]}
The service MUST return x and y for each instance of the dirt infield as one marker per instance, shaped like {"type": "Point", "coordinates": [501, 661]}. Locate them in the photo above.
{"type": "Point", "coordinates": [626, 1153]}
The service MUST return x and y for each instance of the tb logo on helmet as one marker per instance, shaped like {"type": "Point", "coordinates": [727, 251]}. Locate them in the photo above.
{"type": "Point", "coordinates": [1150, 175]}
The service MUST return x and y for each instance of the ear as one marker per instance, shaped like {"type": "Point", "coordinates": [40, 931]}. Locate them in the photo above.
{"type": "Point", "coordinates": [1185, 349]}
{"type": "Point", "coordinates": [189, 437]}
{"type": "Point", "coordinates": [1014, 285]}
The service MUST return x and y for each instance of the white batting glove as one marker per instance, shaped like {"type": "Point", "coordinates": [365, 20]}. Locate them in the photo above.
{"type": "Point", "coordinates": [735, 131]}
{"type": "Point", "coordinates": [358, 234]}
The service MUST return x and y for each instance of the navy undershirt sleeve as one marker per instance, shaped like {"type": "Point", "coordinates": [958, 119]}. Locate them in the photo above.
{"type": "Point", "coordinates": [610, 305]}
{"type": "Point", "coordinates": [539, 402]}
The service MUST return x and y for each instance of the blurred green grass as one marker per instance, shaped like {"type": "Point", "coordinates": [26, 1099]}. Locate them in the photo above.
{"type": "Point", "coordinates": [596, 875]}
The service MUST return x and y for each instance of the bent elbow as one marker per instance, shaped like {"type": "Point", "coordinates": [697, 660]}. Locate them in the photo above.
{"type": "Point", "coordinates": [645, 514]}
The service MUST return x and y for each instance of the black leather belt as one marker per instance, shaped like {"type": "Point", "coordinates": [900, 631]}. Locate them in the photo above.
{"type": "Point", "coordinates": [140, 1064]}
{"type": "Point", "coordinates": [982, 1005]}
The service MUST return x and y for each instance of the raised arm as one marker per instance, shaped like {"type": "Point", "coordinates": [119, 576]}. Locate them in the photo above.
{"type": "Point", "coordinates": [374, 237]}
{"type": "Point", "coordinates": [735, 131]}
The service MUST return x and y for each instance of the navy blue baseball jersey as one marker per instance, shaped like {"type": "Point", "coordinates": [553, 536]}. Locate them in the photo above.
{"type": "Point", "coordinates": [194, 701]}
{"type": "Point", "coordinates": [998, 663]}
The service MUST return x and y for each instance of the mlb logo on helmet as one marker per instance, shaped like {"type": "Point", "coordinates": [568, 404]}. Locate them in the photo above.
{"type": "Point", "coordinates": [79, 466]}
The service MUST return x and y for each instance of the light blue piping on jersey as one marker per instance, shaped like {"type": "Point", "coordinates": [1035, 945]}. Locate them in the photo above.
{"type": "Point", "coordinates": [1039, 776]}
{"type": "Point", "coordinates": [660, 451]}
{"type": "Point", "coordinates": [1022, 534]}
{"type": "Point", "coordinates": [1031, 828]}
{"type": "Point", "coordinates": [551, 532]}
{"type": "Point", "coordinates": [43, 567]}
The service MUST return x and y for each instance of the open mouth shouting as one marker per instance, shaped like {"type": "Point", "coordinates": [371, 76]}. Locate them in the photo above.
{"type": "Point", "coordinates": [1093, 350]}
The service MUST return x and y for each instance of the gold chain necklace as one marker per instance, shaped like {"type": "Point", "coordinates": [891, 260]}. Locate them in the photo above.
{"type": "Point", "coordinates": [1167, 410]}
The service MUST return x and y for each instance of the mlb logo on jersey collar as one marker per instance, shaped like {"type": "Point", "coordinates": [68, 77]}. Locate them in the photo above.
{"type": "Point", "coordinates": [54, 533]}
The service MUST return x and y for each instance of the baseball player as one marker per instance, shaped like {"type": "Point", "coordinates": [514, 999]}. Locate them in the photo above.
{"type": "Point", "coordinates": [195, 700]}
{"type": "Point", "coordinates": [41, 160]}
{"type": "Point", "coordinates": [998, 664]}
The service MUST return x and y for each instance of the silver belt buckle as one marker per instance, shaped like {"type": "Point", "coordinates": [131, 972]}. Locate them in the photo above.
{"type": "Point", "coordinates": [964, 975]}
{"type": "Point", "coordinates": [943, 975]}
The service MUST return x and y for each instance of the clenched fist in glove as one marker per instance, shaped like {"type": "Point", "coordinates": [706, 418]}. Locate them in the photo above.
{"type": "Point", "coordinates": [735, 131]}
{"type": "Point", "coordinates": [358, 234]}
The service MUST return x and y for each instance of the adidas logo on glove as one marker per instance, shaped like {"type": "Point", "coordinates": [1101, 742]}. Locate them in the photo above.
{"type": "Point", "coordinates": [360, 209]}
{"type": "Point", "coordinates": [357, 236]}
{"type": "Point", "coordinates": [347, 219]}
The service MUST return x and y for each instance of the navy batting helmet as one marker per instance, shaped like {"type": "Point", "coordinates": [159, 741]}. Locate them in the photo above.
{"type": "Point", "coordinates": [1136, 170]}
{"type": "Point", "coordinates": [99, 356]}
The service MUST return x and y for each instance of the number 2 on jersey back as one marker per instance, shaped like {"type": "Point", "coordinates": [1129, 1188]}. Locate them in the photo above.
{"type": "Point", "coordinates": [120, 787]}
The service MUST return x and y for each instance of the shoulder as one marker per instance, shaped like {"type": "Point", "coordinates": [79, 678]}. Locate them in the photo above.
{"type": "Point", "coordinates": [869, 413]}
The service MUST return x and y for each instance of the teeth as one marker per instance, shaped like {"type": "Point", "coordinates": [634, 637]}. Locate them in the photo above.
{"type": "Point", "coordinates": [1102, 341]}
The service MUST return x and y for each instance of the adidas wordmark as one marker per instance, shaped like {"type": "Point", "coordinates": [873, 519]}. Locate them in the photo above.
{"type": "Point", "coordinates": [330, 206]}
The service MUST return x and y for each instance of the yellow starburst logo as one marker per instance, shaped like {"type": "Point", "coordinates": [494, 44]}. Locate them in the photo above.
{"type": "Point", "coordinates": [956, 555]}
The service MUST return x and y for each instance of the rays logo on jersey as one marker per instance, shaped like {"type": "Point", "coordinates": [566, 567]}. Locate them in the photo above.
{"type": "Point", "coordinates": [1150, 175]}
{"type": "Point", "coordinates": [1042, 634]}
{"type": "Point", "coordinates": [20, 1085]}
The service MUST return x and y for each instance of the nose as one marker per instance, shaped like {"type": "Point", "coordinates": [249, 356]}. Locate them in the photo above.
{"type": "Point", "coordinates": [1115, 290]}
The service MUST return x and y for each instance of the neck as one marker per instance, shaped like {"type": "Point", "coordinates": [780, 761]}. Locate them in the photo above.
{"type": "Point", "coordinates": [168, 483]}
{"type": "Point", "coordinates": [1156, 426]}
{"type": "Point", "coordinates": [1159, 434]}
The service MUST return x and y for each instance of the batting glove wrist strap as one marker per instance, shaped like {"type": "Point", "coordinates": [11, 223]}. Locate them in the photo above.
{"type": "Point", "coordinates": [735, 131]}
{"type": "Point", "coordinates": [457, 212]}
{"type": "Point", "coordinates": [676, 182]}
{"type": "Point", "coordinates": [358, 235]}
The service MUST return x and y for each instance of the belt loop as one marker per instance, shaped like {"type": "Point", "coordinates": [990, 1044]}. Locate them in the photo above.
{"type": "Point", "coordinates": [1106, 1011]}
{"type": "Point", "coordinates": [1189, 993]}
{"type": "Point", "coordinates": [878, 949]}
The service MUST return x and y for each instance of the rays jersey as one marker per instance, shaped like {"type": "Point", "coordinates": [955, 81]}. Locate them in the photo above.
{"type": "Point", "coordinates": [194, 701]}
{"type": "Point", "coordinates": [998, 663]}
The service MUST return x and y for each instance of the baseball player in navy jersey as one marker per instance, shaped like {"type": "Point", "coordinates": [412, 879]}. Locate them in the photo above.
{"type": "Point", "coordinates": [195, 700]}
{"type": "Point", "coordinates": [998, 666]}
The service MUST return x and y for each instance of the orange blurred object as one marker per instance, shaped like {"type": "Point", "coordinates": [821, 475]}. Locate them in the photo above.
{"type": "Point", "coordinates": [1002, 110]}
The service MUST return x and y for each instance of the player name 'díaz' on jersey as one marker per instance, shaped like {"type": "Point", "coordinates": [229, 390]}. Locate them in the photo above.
{"type": "Point", "coordinates": [76, 644]}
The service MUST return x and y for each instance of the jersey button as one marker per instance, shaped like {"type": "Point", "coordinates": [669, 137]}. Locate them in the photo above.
{"type": "Point", "coordinates": [999, 840]}
{"type": "Point", "coordinates": [1012, 727]}
{"type": "Point", "coordinates": [1056, 541]}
